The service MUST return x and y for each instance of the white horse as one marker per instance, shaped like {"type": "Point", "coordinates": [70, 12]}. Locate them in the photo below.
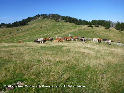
{"type": "Point", "coordinates": [95, 39]}
{"type": "Point", "coordinates": [41, 40]}
{"type": "Point", "coordinates": [108, 41]}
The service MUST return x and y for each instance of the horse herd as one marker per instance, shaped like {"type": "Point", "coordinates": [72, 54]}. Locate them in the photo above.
{"type": "Point", "coordinates": [70, 38]}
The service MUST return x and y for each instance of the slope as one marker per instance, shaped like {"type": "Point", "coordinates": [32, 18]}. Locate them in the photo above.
{"type": "Point", "coordinates": [49, 28]}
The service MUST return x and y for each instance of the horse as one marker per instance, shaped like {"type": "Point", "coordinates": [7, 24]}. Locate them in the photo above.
{"type": "Point", "coordinates": [83, 39]}
{"type": "Point", "coordinates": [109, 42]}
{"type": "Point", "coordinates": [75, 38]}
{"type": "Point", "coordinates": [48, 39]}
{"type": "Point", "coordinates": [99, 40]}
{"type": "Point", "coordinates": [40, 40]}
{"type": "Point", "coordinates": [68, 38]}
{"type": "Point", "coordinates": [59, 40]}
{"type": "Point", "coordinates": [95, 39]}
{"type": "Point", "coordinates": [104, 39]}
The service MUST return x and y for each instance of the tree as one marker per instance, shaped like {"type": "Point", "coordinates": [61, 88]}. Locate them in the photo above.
{"type": "Point", "coordinates": [118, 26]}
{"type": "Point", "coordinates": [2, 25]}
{"type": "Point", "coordinates": [107, 24]}
{"type": "Point", "coordinates": [90, 25]}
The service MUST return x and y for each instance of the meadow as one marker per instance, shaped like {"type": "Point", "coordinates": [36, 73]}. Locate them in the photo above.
{"type": "Point", "coordinates": [97, 66]}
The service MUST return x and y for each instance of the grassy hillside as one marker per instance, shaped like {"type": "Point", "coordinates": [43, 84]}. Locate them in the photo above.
{"type": "Point", "coordinates": [50, 28]}
{"type": "Point", "coordinates": [98, 67]}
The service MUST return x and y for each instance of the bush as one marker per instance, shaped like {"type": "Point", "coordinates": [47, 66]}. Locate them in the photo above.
{"type": "Point", "coordinates": [90, 26]}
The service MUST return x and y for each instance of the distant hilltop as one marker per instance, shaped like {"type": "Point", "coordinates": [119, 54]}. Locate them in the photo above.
{"type": "Point", "coordinates": [57, 17]}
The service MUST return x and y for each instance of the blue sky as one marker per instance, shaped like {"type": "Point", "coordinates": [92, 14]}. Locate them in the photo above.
{"type": "Point", "coordinates": [15, 10]}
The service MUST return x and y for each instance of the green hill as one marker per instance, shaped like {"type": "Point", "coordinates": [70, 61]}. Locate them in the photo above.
{"type": "Point", "coordinates": [49, 28]}
{"type": "Point", "coordinates": [98, 67]}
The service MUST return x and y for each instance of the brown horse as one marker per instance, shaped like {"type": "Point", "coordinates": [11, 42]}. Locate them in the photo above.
{"type": "Point", "coordinates": [75, 38]}
{"type": "Point", "coordinates": [99, 40]}
{"type": "Point", "coordinates": [68, 38]}
{"type": "Point", "coordinates": [59, 40]}
{"type": "Point", "coordinates": [48, 39]}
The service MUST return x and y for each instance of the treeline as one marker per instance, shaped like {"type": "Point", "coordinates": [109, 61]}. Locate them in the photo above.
{"type": "Point", "coordinates": [56, 17]}
{"type": "Point", "coordinates": [120, 26]}
{"type": "Point", "coordinates": [17, 23]}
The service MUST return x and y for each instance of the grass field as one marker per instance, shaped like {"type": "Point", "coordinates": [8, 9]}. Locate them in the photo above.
{"type": "Point", "coordinates": [98, 67]}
